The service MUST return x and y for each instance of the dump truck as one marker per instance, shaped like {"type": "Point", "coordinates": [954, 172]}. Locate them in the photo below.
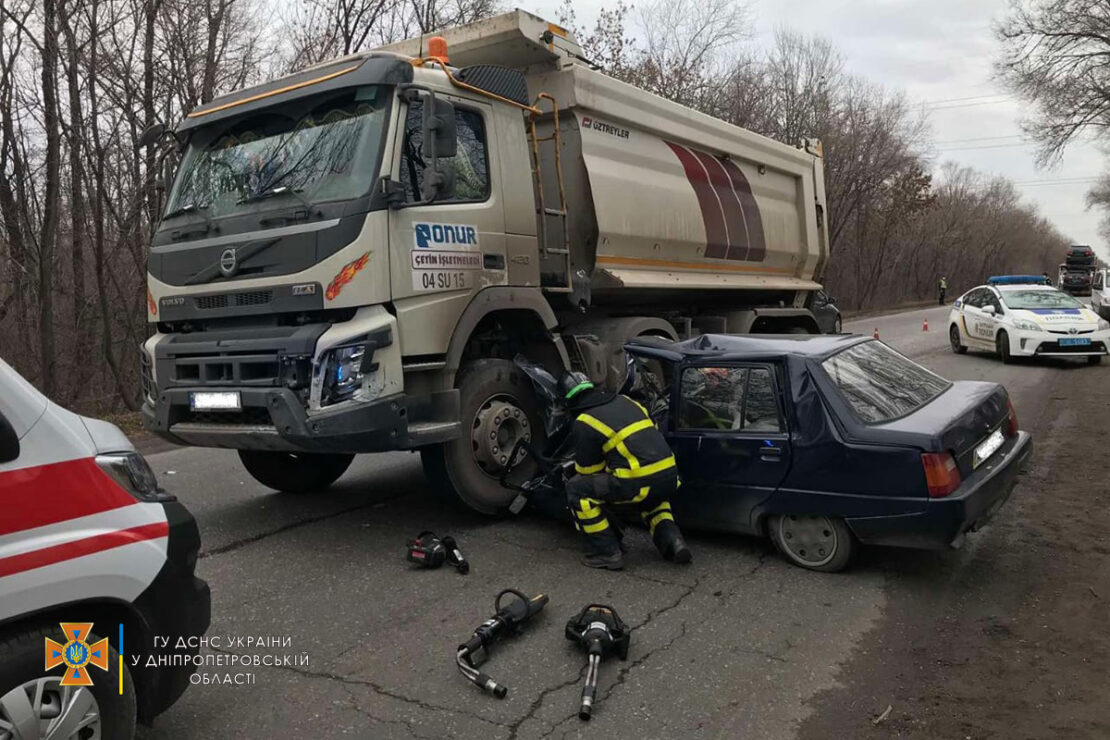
{"type": "Point", "coordinates": [350, 257]}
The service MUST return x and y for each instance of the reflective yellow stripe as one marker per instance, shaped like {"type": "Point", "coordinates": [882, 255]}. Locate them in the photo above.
{"type": "Point", "coordinates": [665, 506]}
{"type": "Point", "coordinates": [587, 509]}
{"type": "Point", "coordinates": [628, 431]}
{"type": "Point", "coordinates": [646, 470]}
{"type": "Point", "coordinates": [633, 400]}
{"type": "Point", "coordinates": [594, 528]}
{"type": "Point", "coordinates": [595, 424]}
{"type": "Point", "coordinates": [661, 517]}
{"type": "Point", "coordinates": [589, 469]}
{"type": "Point", "coordinates": [641, 495]}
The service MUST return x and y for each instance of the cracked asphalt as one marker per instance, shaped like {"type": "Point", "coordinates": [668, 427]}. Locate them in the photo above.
{"type": "Point", "coordinates": [737, 644]}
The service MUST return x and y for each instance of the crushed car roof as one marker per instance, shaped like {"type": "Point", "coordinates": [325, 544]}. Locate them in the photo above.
{"type": "Point", "coordinates": [746, 345]}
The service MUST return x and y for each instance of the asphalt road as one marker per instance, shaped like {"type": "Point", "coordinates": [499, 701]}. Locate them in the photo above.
{"type": "Point", "coordinates": [739, 644]}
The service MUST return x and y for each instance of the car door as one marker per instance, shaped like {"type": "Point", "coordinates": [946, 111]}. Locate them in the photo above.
{"type": "Point", "coordinates": [730, 437]}
{"type": "Point", "coordinates": [1099, 291]}
{"type": "Point", "coordinates": [978, 324]}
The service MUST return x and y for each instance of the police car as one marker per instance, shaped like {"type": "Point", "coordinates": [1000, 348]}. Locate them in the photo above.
{"type": "Point", "coordinates": [92, 554]}
{"type": "Point", "coordinates": [1020, 316]}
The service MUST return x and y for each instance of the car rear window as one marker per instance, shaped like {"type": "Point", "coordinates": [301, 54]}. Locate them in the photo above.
{"type": "Point", "coordinates": [880, 384]}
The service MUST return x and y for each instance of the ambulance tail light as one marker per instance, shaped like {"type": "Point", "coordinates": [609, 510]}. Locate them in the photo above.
{"type": "Point", "coordinates": [942, 476]}
{"type": "Point", "coordinates": [132, 473]}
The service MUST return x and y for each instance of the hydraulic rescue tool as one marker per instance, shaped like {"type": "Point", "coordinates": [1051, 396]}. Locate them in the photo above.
{"type": "Point", "coordinates": [510, 616]}
{"type": "Point", "coordinates": [600, 631]}
{"type": "Point", "coordinates": [429, 551]}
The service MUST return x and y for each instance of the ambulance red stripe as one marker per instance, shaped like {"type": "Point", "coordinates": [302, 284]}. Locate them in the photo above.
{"type": "Point", "coordinates": [64, 490]}
{"type": "Point", "coordinates": [80, 548]}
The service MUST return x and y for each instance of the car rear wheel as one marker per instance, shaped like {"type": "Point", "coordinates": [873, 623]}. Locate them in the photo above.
{"type": "Point", "coordinates": [838, 326]}
{"type": "Point", "coordinates": [1002, 344]}
{"type": "Point", "coordinates": [954, 337]}
{"type": "Point", "coordinates": [813, 542]}
{"type": "Point", "coordinates": [34, 704]}
{"type": "Point", "coordinates": [295, 472]}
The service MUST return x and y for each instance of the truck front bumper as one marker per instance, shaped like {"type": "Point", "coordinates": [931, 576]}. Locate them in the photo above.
{"type": "Point", "coordinates": [275, 419]}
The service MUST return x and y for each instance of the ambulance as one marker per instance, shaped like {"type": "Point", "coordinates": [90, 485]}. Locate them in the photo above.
{"type": "Point", "coordinates": [93, 553]}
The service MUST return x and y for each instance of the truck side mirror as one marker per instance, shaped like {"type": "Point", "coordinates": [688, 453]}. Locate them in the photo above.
{"type": "Point", "coordinates": [440, 142]}
{"type": "Point", "coordinates": [150, 135]}
{"type": "Point", "coordinates": [9, 442]}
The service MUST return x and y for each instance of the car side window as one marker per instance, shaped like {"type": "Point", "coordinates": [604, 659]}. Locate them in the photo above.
{"type": "Point", "coordinates": [728, 399]}
{"type": "Point", "coordinates": [471, 161]}
{"type": "Point", "coordinates": [975, 298]}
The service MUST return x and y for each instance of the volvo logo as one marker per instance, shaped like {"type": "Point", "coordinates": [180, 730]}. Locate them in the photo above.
{"type": "Point", "coordinates": [229, 262]}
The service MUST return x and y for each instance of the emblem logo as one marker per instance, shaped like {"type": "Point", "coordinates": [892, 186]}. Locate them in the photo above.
{"type": "Point", "coordinates": [77, 654]}
{"type": "Point", "coordinates": [229, 262]}
{"type": "Point", "coordinates": [1073, 330]}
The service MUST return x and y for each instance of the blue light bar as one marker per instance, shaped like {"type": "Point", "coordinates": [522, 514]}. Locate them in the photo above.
{"type": "Point", "coordinates": [1016, 280]}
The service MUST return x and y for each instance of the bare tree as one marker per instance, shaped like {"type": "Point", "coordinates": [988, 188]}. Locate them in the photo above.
{"type": "Point", "coordinates": [1054, 55]}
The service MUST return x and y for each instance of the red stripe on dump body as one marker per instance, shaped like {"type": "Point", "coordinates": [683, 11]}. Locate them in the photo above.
{"type": "Point", "coordinates": [79, 548]}
{"type": "Point", "coordinates": [711, 215]}
{"type": "Point", "coordinates": [730, 205]}
{"type": "Point", "coordinates": [47, 494]}
{"type": "Point", "coordinates": [757, 242]}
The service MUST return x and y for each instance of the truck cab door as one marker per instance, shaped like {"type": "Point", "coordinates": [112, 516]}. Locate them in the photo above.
{"type": "Point", "coordinates": [454, 243]}
{"type": "Point", "coordinates": [728, 431]}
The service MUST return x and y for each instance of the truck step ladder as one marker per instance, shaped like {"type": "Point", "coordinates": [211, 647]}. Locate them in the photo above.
{"type": "Point", "coordinates": [563, 247]}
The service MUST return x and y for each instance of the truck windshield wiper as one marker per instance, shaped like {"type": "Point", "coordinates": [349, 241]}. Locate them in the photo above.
{"type": "Point", "coordinates": [274, 192]}
{"type": "Point", "coordinates": [187, 208]}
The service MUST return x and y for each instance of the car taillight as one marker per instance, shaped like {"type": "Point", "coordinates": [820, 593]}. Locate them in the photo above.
{"type": "Point", "coordinates": [941, 474]}
{"type": "Point", "coordinates": [1011, 420]}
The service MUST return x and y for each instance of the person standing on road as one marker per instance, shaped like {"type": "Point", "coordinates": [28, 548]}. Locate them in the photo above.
{"type": "Point", "coordinates": [622, 460]}
{"type": "Point", "coordinates": [942, 285]}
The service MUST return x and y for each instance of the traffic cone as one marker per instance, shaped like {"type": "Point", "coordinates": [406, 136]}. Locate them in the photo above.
{"type": "Point", "coordinates": [876, 334]}
{"type": "Point", "coordinates": [925, 325]}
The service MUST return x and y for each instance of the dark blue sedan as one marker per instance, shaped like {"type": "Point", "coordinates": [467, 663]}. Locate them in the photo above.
{"type": "Point", "coordinates": [825, 442]}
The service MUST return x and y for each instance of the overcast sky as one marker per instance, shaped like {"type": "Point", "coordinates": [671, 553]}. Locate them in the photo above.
{"type": "Point", "coordinates": [940, 53]}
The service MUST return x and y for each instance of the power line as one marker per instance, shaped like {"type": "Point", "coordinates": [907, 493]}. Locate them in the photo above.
{"type": "Point", "coordinates": [979, 138]}
{"type": "Point", "coordinates": [970, 97]}
{"type": "Point", "coordinates": [967, 105]}
{"type": "Point", "coordinates": [985, 146]}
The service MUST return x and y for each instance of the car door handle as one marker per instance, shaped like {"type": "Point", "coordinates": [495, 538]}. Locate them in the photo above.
{"type": "Point", "coordinates": [770, 454]}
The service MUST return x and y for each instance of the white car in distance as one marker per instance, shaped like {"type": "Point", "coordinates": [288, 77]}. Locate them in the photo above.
{"type": "Point", "coordinates": [1020, 316]}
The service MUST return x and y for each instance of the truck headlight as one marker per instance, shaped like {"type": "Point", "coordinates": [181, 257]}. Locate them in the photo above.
{"type": "Point", "coordinates": [1023, 325]}
{"type": "Point", "coordinates": [132, 473]}
{"type": "Point", "coordinates": [341, 374]}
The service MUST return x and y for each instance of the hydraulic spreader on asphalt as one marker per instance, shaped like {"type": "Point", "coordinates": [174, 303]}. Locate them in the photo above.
{"type": "Point", "coordinates": [600, 631]}
{"type": "Point", "coordinates": [508, 617]}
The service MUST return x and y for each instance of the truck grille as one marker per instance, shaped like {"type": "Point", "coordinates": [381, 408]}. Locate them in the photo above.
{"type": "Point", "coordinates": [146, 375]}
{"type": "Point", "coordinates": [249, 416]}
{"type": "Point", "coordinates": [227, 369]}
{"type": "Point", "coordinates": [224, 300]}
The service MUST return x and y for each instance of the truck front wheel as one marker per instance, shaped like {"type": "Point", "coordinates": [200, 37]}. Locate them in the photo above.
{"type": "Point", "coordinates": [497, 408]}
{"type": "Point", "coordinates": [295, 472]}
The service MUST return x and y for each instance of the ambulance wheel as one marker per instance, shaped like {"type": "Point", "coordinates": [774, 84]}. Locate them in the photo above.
{"type": "Point", "coordinates": [954, 337]}
{"type": "Point", "coordinates": [497, 408]}
{"type": "Point", "coordinates": [1002, 344]}
{"type": "Point", "coordinates": [33, 703]}
{"type": "Point", "coordinates": [295, 472]}
{"type": "Point", "coordinates": [818, 543]}
{"type": "Point", "coordinates": [1094, 359]}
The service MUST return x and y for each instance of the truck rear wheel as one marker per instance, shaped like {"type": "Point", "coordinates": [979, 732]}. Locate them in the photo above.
{"type": "Point", "coordinates": [497, 407]}
{"type": "Point", "coordinates": [295, 472]}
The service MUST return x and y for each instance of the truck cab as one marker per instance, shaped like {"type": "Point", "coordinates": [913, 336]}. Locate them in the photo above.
{"type": "Point", "coordinates": [351, 256]}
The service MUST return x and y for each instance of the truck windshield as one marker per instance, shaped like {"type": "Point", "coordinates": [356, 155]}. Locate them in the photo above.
{"type": "Point", "coordinates": [1032, 299]}
{"type": "Point", "coordinates": [880, 384]}
{"type": "Point", "coordinates": [321, 148]}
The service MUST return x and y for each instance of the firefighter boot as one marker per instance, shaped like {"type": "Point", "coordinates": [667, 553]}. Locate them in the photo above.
{"type": "Point", "coordinates": [603, 550]}
{"type": "Point", "coordinates": [668, 540]}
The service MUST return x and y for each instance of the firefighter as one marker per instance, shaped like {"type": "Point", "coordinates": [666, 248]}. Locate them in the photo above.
{"type": "Point", "coordinates": [622, 461]}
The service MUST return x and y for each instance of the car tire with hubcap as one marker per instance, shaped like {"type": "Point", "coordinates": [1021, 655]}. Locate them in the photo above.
{"type": "Point", "coordinates": [838, 326]}
{"type": "Point", "coordinates": [34, 704]}
{"type": "Point", "coordinates": [295, 472]}
{"type": "Point", "coordinates": [497, 407]}
{"type": "Point", "coordinates": [954, 338]}
{"type": "Point", "coordinates": [1002, 346]}
{"type": "Point", "coordinates": [814, 542]}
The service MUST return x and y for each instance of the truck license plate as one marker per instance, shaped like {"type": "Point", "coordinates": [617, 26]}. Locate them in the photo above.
{"type": "Point", "coordinates": [215, 401]}
{"type": "Point", "coordinates": [1074, 341]}
{"type": "Point", "coordinates": [988, 448]}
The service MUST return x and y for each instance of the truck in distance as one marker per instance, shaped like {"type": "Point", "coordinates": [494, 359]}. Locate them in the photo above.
{"type": "Point", "coordinates": [351, 256]}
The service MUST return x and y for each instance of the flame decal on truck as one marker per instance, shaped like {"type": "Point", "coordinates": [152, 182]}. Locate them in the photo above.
{"type": "Point", "coordinates": [733, 226]}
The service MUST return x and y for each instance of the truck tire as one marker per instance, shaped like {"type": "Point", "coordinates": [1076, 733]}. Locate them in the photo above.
{"type": "Point", "coordinates": [497, 406]}
{"type": "Point", "coordinates": [295, 472]}
{"type": "Point", "coordinates": [106, 713]}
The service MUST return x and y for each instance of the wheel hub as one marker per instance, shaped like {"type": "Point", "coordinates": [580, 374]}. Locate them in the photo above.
{"type": "Point", "coordinates": [43, 709]}
{"type": "Point", "coordinates": [810, 539]}
{"type": "Point", "coordinates": [498, 426]}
